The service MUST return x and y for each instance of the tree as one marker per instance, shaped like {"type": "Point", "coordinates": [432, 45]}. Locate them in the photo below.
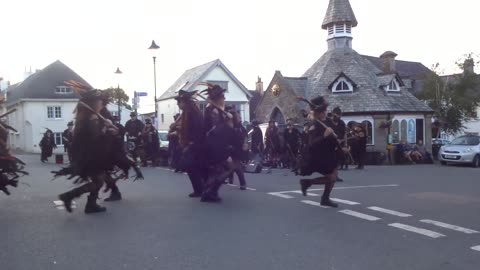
{"type": "Point", "coordinates": [454, 98]}
{"type": "Point", "coordinates": [116, 94]}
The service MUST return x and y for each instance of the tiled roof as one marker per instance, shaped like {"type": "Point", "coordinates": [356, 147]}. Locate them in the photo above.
{"type": "Point", "coordinates": [367, 96]}
{"type": "Point", "coordinates": [42, 84]}
{"type": "Point", "coordinates": [339, 11]}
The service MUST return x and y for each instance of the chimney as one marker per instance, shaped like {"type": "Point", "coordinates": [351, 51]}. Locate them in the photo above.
{"type": "Point", "coordinates": [389, 62]}
{"type": "Point", "coordinates": [469, 66]}
{"type": "Point", "coordinates": [259, 85]}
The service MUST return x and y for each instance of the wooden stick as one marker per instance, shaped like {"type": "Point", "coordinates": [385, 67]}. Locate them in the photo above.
{"type": "Point", "coordinates": [7, 113]}
{"type": "Point", "coordinates": [99, 115]}
{"type": "Point", "coordinates": [215, 105]}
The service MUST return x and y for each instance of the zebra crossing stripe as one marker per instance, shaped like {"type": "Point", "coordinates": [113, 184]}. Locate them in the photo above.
{"type": "Point", "coordinates": [388, 211]}
{"type": "Point", "coordinates": [409, 228]}
{"type": "Point", "coordinates": [449, 226]}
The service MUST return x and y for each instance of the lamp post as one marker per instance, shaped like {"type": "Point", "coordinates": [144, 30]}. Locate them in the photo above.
{"type": "Point", "coordinates": [118, 72]}
{"type": "Point", "coordinates": [153, 49]}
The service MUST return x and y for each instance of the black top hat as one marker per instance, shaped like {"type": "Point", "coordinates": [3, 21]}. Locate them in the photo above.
{"type": "Point", "coordinates": [271, 121]}
{"type": "Point", "coordinates": [319, 104]}
{"type": "Point", "coordinates": [185, 95]}
{"type": "Point", "coordinates": [148, 121]}
{"type": "Point", "coordinates": [214, 91]}
{"type": "Point", "coordinates": [116, 118]}
{"type": "Point", "coordinates": [255, 123]}
{"type": "Point", "coordinates": [70, 123]}
{"type": "Point", "coordinates": [133, 114]}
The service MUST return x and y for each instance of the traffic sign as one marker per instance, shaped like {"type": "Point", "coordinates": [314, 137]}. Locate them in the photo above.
{"type": "Point", "coordinates": [141, 94]}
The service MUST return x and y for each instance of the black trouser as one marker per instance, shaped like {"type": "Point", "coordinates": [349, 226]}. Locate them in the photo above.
{"type": "Point", "coordinates": [239, 170]}
{"type": "Point", "coordinates": [93, 187]}
{"type": "Point", "coordinates": [45, 154]}
{"type": "Point", "coordinates": [111, 184]}
{"type": "Point", "coordinates": [197, 178]}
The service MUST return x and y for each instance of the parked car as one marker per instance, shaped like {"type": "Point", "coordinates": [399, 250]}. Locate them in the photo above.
{"type": "Point", "coordinates": [163, 137]}
{"type": "Point", "coordinates": [436, 145]}
{"type": "Point", "coordinates": [464, 149]}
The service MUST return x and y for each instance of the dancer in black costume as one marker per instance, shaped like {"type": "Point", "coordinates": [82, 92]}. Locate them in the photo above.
{"type": "Point", "coordinates": [322, 145]}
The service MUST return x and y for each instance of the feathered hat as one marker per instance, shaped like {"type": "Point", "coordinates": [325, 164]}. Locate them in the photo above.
{"type": "Point", "coordinates": [185, 95]}
{"type": "Point", "coordinates": [213, 91]}
{"type": "Point", "coordinates": [86, 92]}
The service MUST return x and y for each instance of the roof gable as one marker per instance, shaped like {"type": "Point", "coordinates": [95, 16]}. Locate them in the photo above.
{"type": "Point", "coordinates": [342, 76]}
{"type": "Point", "coordinates": [192, 77]}
{"type": "Point", "coordinates": [42, 84]}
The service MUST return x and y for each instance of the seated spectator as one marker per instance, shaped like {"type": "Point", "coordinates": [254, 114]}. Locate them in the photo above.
{"type": "Point", "coordinates": [420, 152]}
{"type": "Point", "coordinates": [403, 152]}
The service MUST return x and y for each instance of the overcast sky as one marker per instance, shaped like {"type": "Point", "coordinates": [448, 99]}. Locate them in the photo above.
{"type": "Point", "coordinates": [251, 37]}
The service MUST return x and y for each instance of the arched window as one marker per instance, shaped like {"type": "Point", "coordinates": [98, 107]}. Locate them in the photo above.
{"type": "Point", "coordinates": [393, 86]}
{"type": "Point", "coordinates": [368, 126]}
{"type": "Point", "coordinates": [403, 130]}
{"type": "Point", "coordinates": [395, 131]}
{"type": "Point", "coordinates": [342, 86]}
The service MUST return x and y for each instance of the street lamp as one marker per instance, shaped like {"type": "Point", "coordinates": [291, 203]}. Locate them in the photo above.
{"type": "Point", "coordinates": [153, 49]}
{"type": "Point", "coordinates": [118, 72]}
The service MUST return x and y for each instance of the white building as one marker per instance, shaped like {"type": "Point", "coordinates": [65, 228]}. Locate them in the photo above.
{"type": "Point", "coordinates": [43, 101]}
{"type": "Point", "coordinates": [214, 72]}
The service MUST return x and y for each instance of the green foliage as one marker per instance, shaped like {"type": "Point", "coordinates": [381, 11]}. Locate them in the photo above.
{"type": "Point", "coordinates": [116, 94]}
{"type": "Point", "coordinates": [454, 98]}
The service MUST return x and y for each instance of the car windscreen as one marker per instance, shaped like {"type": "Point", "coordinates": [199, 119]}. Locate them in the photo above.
{"type": "Point", "coordinates": [466, 141]}
{"type": "Point", "coordinates": [163, 136]}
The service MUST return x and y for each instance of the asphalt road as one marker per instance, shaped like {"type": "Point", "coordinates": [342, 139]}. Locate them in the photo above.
{"type": "Point", "coordinates": [389, 218]}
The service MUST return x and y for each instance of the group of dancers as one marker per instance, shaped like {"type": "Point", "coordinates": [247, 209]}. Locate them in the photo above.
{"type": "Point", "coordinates": [213, 145]}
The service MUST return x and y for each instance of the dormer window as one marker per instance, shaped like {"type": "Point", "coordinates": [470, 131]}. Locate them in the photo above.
{"type": "Point", "coordinates": [63, 90]}
{"type": "Point", "coordinates": [393, 86]}
{"type": "Point", "coordinates": [342, 86]}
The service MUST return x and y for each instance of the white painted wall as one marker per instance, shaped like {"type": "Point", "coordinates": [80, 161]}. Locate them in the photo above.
{"type": "Point", "coordinates": [235, 94]}
{"type": "Point", "coordinates": [31, 119]}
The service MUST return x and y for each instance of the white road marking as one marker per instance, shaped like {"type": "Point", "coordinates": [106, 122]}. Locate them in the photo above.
{"type": "Point", "coordinates": [232, 185]}
{"type": "Point", "coordinates": [308, 193]}
{"type": "Point", "coordinates": [314, 203]}
{"type": "Point", "coordinates": [344, 201]}
{"type": "Point", "coordinates": [352, 187]}
{"type": "Point", "coordinates": [281, 195]}
{"type": "Point", "coordinates": [388, 211]}
{"type": "Point", "coordinates": [359, 215]}
{"type": "Point", "coordinates": [477, 248]}
{"type": "Point", "coordinates": [409, 228]}
{"type": "Point", "coordinates": [448, 226]}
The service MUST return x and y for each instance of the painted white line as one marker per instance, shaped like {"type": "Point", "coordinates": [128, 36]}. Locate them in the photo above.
{"type": "Point", "coordinates": [344, 201]}
{"type": "Point", "coordinates": [352, 187]}
{"type": "Point", "coordinates": [308, 193]}
{"type": "Point", "coordinates": [388, 211]}
{"type": "Point", "coordinates": [281, 195]}
{"type": "Point", "coordinates": [448, 226]}
{"type": "Point", "coordinates": [232, 185]}
{"type": "Point", "coordinates": [477, 248]}
{"type": "Point", "coordinates": [359, 215]}
{"type": "Point", "coordinates": [314, 203]}
{"type": "Point", "coordinates": [409, 228]}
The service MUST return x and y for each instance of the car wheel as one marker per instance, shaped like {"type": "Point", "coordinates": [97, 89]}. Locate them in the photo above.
{"type": "Point", "coordinates": [443, 163]}
{"type": "Point", "coordinates": [476, 162]}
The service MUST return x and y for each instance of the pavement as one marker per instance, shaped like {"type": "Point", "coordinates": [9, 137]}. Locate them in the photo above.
{"type": "Point", "coordinates": [390, 217]}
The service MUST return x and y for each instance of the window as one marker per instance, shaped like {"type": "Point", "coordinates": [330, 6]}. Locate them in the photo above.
{"type": "Point", "coordinates": [58, 138]}
{"type": "Point", "coordinates": [395, 131]}
{"type": "Point", "coordinates": [367, 125]}
{"type": "Point", "coordinates": [349, 29]}
{"type": "Point", "coordinates": [54, 112]}
{"type": "Point", "coordinates": [393, 86]}
{"type": "Point", "coordinates": [403, 130]}
{"type": "Point", "coordinates": [63, 90]}
{"type": "Point", "coordinates": [342, 86]}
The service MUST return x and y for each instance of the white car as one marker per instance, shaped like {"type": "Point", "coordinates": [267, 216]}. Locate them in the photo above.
{"type": "Point", "coordinates": [163, 137]}
{"type": "Point", "coordinates": [464, 149]}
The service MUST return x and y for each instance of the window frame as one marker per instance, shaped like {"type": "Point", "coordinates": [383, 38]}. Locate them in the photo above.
{"type": "Point", "coordinates": [60, 137]}
{"type": "Point", "coordinates": [340, 82]}
{"type": "Point", "coordinates": [394, 83]}
{"type": "Point", "coordinates": [62, 90]}
{"type": "Point", "coordinates": [53, 113]}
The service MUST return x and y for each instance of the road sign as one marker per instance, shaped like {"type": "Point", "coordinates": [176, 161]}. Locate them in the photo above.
{"type": "Point", "coordinates": [141, 94]}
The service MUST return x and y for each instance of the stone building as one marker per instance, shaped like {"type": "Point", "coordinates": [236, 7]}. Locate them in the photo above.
{"type": "Point", "coordinates": [370, 90]}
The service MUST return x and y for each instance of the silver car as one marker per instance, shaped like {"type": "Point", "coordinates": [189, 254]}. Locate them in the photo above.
{"type": "Point", "coordinates": [464, 149]}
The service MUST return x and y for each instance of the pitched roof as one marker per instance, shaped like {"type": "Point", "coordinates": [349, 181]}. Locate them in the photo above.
{"type": "Point", "coordinates": [190, 79]}
{"type": "Point", "coordinates": [367, 97]}
{"type": "Point", "coordinates": [42, 84]}
{"type": "Point", "coordinates": [406, 69]}
{"type": "Point", "coordinates": [339, 11]}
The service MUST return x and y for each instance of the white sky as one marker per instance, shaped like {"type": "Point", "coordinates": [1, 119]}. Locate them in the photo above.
{"type": "Point", "coordinates": [251, 37]}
